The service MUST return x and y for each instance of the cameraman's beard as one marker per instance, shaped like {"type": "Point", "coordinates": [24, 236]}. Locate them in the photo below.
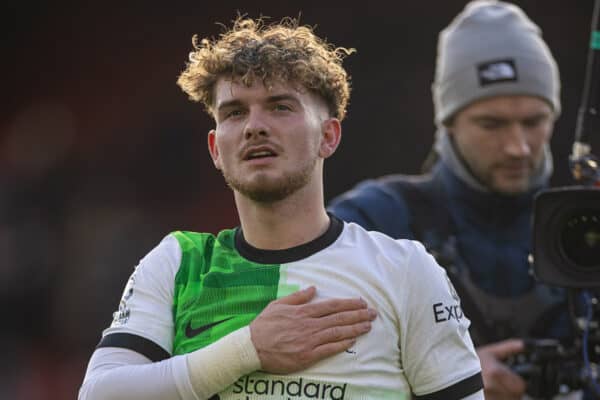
{"type": "Point", "coordinates": [267, 190]}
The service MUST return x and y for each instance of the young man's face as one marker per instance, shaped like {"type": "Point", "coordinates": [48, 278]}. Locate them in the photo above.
{"type": "Point", "coordinates": [268, 143]}
{"type": "Point", "coordinates": [502, 140]}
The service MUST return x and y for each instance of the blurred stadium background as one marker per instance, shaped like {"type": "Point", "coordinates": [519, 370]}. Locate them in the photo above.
{"type": "Point", "coordinates": [101, 154]}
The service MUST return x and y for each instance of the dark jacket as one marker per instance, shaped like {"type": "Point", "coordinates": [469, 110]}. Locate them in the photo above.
{"type": "Point", "coordinates": [483, 239]}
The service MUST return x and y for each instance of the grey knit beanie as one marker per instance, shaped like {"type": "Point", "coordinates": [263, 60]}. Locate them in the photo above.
{"type": "Point", "coordinates": [492, 48]}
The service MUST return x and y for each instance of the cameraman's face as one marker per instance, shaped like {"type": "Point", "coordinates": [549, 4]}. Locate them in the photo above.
{"type": "Point", "coordinates": [502, 139]}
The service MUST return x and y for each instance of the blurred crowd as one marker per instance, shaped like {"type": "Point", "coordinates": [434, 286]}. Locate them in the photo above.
{"type": "Point", "coordinates": [73, 224]}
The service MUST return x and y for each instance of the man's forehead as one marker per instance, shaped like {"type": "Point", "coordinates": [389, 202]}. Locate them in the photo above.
{"type": "Point", "coordinates": [509, 106]}
{"type": "Point", "coordinates": [228, 89]}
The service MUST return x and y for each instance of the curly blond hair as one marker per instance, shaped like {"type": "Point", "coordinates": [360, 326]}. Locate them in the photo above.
{"type": "Point", "coordinates": [282, 52]}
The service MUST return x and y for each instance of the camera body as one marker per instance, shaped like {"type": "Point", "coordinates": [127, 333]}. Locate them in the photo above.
{"type": "Point", "coordinates": [566, 237]}
{"type": "Point", "coordinates": [566, 253]}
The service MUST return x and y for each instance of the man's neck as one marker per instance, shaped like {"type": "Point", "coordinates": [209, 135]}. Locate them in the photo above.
{"type": "Point", "coordinates": [296, 220]}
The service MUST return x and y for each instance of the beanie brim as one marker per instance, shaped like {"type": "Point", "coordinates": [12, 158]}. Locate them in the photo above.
{"type": "Point", "coordinates": [464, 88]}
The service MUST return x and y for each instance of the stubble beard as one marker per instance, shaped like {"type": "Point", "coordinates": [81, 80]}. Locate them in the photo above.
{"type": "Point", "coordinates": [266, 190]}
{"type": "Point", "coordinates": [509, 186]}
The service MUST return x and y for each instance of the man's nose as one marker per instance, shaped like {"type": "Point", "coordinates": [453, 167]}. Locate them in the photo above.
{"type": "Point", "coordinates": [256, 125]}
{"type": "Point", "coordinates": [516, 141]}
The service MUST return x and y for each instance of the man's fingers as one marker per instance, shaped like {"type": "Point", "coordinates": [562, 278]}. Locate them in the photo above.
{"type": "Point", "coordinates": [513, 383]}
{"type": "Point", "coordinates": [293, 332]}
{"type": "Point", "coordinates": [502, 350]}
{"type": "Point", "coordinates": [332, 306]}
{"type": "Point", "coordinates": [329, 349]}
{"type": "Point", "coordinates": [347, 317]}
{"type": "Point", "coordinates": [300, 297]}
{"type": "Point", "coordinates": [320, 308]}
{"type": "Point", "coordinates": [502, 383]}
{"type": "Point", "coordinates": [339, 333]}
{"type": "Point", "coordinates": [499, 381]}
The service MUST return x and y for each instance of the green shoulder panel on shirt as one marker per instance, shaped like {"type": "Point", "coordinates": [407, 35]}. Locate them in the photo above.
{"type": "Point", "coordinates": [216, 290]}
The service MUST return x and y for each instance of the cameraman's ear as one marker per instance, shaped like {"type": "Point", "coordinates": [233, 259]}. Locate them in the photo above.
{"type": "Point", "coordinates": [449, 126]}
{"type": "Point", "coordinates": [331, 135]}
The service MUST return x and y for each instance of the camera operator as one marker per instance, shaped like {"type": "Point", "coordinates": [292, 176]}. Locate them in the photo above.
{"type": "Point", "coordinates": [496, 97]}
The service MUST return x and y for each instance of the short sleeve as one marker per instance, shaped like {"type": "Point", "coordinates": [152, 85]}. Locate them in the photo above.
{"type": "Point", "coordinates": [437, 353]}
{"type": "Point", "coordinates": [144, 319]}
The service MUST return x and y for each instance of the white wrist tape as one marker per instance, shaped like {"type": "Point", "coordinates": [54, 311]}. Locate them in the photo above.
{"type": "Point", "coordinates": [215, 367]}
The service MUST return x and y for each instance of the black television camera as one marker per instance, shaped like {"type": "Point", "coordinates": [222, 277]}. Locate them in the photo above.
{"type": "Point", "coordinates": [566, 237]}
{"type": "Point", "coordinates": [566, 253]}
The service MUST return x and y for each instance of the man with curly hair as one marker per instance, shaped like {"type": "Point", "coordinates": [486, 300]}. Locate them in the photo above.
{"type": "Point", "coordinates": [294, 303]}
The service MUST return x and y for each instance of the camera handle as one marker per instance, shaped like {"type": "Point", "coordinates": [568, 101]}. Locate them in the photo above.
{"type": "Point", "coordinates": [590, 371]}
{"type": "Point", "coordinates": [584, 323]}
{"type": "Point", "coordinates": [584, 165]}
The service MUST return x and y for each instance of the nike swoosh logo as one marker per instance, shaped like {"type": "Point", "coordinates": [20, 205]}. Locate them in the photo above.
{"type": "Point", "coordinates": [191, 332]}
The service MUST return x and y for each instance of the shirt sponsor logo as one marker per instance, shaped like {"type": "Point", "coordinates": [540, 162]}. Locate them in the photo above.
{"type": "Point", "coordinates": [442, 312]}
{"type": "Point", "coordinates": [497, 71]}
{"type": "Point", "coordinates": [288, 388]}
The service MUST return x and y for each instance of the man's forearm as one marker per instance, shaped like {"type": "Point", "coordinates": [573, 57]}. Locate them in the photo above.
{"type": "Point", "coordinates": [119, 374]}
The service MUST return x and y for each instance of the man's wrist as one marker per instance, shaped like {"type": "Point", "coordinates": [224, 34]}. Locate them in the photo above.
{"type": "Point", "coordinates": [215, 367]}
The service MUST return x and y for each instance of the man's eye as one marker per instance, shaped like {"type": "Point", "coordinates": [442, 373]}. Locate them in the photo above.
{"type": "Point", "coordinates": [234, 113]}
{"type": "Point", "coordinates": [490, 126]}
{"type": "Point", "coordinates": [532, 123]}
{"type": "Point", "coordinates": [282, 107]}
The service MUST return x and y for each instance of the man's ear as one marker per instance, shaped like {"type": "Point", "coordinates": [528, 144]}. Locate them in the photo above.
{"type": "Point", "coordinates": [330, 139]}
{"type": "Point", "coordinates": [213, 149]}
{"type": "Point", "coordinates": [449, 125]}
